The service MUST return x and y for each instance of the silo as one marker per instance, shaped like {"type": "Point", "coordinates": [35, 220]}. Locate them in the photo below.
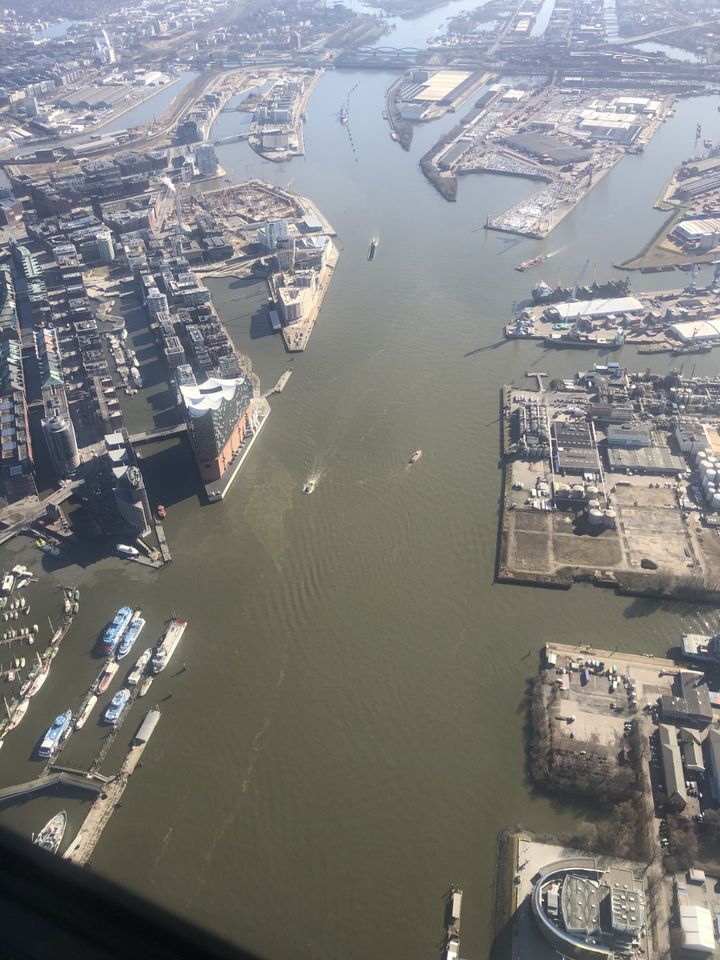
{"type": "Point", "coordinates": [577, 491]}
{"type": "Point", "coordinates": [609, 518]}
{"type": "Point", "coordinates": [592, 490]}
{"type": "Point", "coordinates": [595, 516]}
{"type": "Point", "coordinates": [710, 492]}
{"type": "Point", "coordinates": [715, 502]}
{"type": "Point", "coordinates": [594, 504]}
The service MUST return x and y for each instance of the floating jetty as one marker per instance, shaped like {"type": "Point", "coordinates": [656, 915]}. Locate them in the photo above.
{"type": "Point", "coordinates": [82, 847]}
{"type": "Point", "coordinates": [452, 931]}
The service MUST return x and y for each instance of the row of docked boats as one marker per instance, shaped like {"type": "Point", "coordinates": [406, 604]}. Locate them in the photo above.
{"type": "Point", "coordinates": [117, 641]}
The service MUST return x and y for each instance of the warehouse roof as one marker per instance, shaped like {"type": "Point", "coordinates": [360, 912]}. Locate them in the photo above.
{"type": "Point", "coordinates": [597, 308]}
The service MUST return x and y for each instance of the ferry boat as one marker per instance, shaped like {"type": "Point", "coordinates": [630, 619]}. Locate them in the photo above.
{"type": "Point", "coordinates": [116, 629]}
{"type": "Point", "coordinates": [37, 682]}
{"type": "Point", "coordinates": [117, 704]}
{"type": "Point", "coordinates": [123, 550]}
{"type": "Point", "coordinates": [415, 457]}
{"type": "Point", "coordinates": [17, 714]}
{"type": "Point", "coordinates": [137, 671]}
{"type": "Point", "coordinates": [106, 676]}
{"type": "Point", "coordinates": [50, 837]}
{"type": "Point", "coordinates": [135, 377]}
{"type": "Point", "coordinates": [308, 486]}
{"type": "Point", "coordinates": [526, 264]}
{"type": "Point", "coordinates": [143, 688]}
{"type": "Point", "coordinates": [52, 738]}
{"type": "Point", "coordinates": [130, 636]}
{"type": "Point", "coordinates": [167, 645]}
{"type": "Point", "coordinates": [87, 710]}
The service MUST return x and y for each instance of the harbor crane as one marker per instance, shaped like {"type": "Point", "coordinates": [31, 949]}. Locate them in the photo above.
{"type": "Point", "coordinates": [578, 279]}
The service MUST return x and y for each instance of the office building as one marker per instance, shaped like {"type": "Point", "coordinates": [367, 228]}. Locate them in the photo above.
{"type": "Point", "coordinates": [589, 913]}
{"type": "Point", "coordinates": [62, 445]}
{"type": "Point", "coordinates": [206, 159]}
{"type": "Point", "coordinates": [105, 246]}
{"type": "Point", "coordinates": [272, 233]}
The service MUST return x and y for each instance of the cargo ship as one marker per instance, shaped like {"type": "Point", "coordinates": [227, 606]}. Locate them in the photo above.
{"type": "Point", "coordinates": [50, 837]}
{"type": "Point", "coordinates": [582, 341]}
{"type": "Point", "coordinates": [86, 711]}
{"type": "Point", "coordinates": [52, 738]}
{"type": "Point", "coordinates": [137, 671]}
{"type": "Point", "coordinates": [116, 706]}
{"type": "Point", "coordinates": [116, 629]}
{"type": "Point", "coordinates": [167, 645]}
{"type": "Point", "coordinates": [130, 636]}
{"type": "Point", "coordinates": [543, 293]}
{"type": "Point", "coordinates": [526, 264]}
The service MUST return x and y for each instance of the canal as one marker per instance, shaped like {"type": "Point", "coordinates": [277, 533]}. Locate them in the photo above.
{"type": "Point", "coordinates": [347, 738]}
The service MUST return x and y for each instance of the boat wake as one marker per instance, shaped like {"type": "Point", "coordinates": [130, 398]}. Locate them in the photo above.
{"type": "Point", "coordinates": [311, 481]}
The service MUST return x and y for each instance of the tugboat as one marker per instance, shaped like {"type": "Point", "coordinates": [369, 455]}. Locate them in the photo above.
{"type": "Point", "coordinates": [415, 457]}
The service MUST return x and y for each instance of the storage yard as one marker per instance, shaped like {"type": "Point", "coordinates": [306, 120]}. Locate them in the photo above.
{"type": "Point", "coordinates": [569, 138]}
{"type": "Point", "coordinates": [605, 482]}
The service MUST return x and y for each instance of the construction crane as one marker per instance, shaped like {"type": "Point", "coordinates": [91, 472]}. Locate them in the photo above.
{"type": "Point", "coordinates": [692, 286]}
{"type": "Point", "coordinates": [578, 279]}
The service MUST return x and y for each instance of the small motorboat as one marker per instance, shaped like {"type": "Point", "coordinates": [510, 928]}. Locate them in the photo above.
{"type": "Point", "coordinates": [309, 486]}
{"type": "Point", "coordinates": [161, 512]}
{"type": "Point", "coordinates": [416, 456]}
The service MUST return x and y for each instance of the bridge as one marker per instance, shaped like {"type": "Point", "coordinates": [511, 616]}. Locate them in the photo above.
{"type": "Point", "coordinates": [382, 57]}
{"type": "Point", "coordinates": [80, 782]}
{"type": "Point", "coordinates": [233, 138]}
{"type": "Point", "coordinates": [161, 433]}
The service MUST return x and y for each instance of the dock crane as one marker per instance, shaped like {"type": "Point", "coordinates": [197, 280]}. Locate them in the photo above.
{"type": "Point", "coordinates": [578, 279]}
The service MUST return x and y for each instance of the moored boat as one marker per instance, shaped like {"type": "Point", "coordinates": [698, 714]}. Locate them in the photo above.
{"type": "Point", "coordinates": [167, 645]}
{"type": "Point", "coordinates": [51, 740]}
{"type": "Point", "coordinates": [51, 835]}
{"type": "Point", "coordinates": [123, 550]}
{"type": "Point", "coordinates": [130, 636]}
{"type": "Point", "coordinates": [116, 707]}
{"type": "Point", "coordinates": [17, 714]}
{"type": "Point", "coordinates": [116, 629]}
{"type": "Point", "coordinates": [86, 711]}
{"type": "Point", "coordinates": [161, 512]}
{"type": "Point", "coordinates": [137, 671]}
{"type": "Point", "coordinates": [106, 676]}
{"type": "Point", "coordinates": [36, 683]}
{"type": "Point", "coordinates": [145, 686]}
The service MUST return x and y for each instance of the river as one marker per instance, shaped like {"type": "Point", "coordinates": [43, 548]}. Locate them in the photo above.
{"type": "Point", "coordinates": [346, 740]}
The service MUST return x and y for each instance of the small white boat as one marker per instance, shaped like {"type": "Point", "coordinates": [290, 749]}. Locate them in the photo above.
{"type": "Point", "coordinates": [309, 486]}
{"type": "Point", "coordinates": [87, 710]}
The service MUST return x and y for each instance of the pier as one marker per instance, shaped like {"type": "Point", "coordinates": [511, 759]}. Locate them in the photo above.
{"type": "Point", "coordinates": [81, 782]}
{"type": "Point", "coordinates": [82, 847]}
{"type": "Point", "coordinates": [532, 374]}
{"type": "Point", "coordinates": [279, 386]}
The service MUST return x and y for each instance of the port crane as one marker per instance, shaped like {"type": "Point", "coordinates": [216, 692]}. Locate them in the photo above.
{"type": "Point", "coordinates": [578, 279]}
